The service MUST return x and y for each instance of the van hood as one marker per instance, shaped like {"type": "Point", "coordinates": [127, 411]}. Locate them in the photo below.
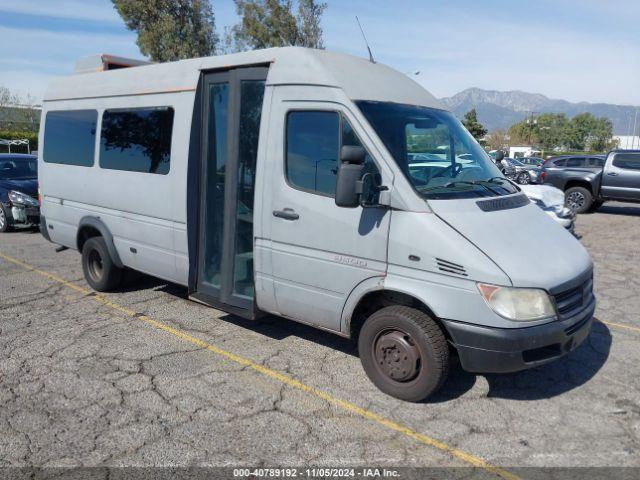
{"type": "Point", "coordinates": [529, 247]}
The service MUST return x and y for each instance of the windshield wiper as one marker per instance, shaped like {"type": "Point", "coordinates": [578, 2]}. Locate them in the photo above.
{"type": "Point", "coordinates": [493, 180]}
{"type": "Point", "coordinates": [455, 183]}
{"type": "Point", "coordinates": [498, 181]}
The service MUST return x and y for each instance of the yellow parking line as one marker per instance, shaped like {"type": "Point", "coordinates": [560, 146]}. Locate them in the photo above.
{"type": "Point", "coordinates": [620, 325]}
{"type": "Point", "coordinates": [350, 407]}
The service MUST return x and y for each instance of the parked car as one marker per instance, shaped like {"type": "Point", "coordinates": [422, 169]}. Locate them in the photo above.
{"type": "Point", "coordinates": [551, 200]}
{"type": "Point", "coordinates": [18, 190]}
{"type": "Point", "coordinates": [525, 174]}
{"type": "Point", "coordinates": [506, 166]}
{"type": "Point", "coordinates": [588, 181]}
{"type": "Point", "coordinates": [532, 161]}
{"type": "Point", "coordinates": [344, 238]}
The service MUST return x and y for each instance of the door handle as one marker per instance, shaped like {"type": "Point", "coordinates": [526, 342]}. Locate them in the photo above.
{"type": "Point", "coordinates": [286, 214]}
{"type": "Point", "coordinates": [613, 174]}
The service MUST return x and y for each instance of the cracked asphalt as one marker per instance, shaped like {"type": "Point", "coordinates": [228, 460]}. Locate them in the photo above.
{"type": "Point", "coordinates": [82, 384]}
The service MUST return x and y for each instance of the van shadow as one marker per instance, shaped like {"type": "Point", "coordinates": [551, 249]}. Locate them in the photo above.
{"type": "Point", "coordinates": [547, 381]}
{"type": "Point", "coordinates": [620, 209]}
{"type": "Point", "coordinates": [271, 326]}
{"type": "Point", "coordinates": [278, 328]}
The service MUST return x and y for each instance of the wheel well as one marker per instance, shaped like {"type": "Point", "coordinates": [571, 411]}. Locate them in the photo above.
{"type": "Point", "coordinates": [578, 183]}
{"type": "Point", "coordinates": [85, 233]}
{"type": "Point", "coordinates": [377, 300]}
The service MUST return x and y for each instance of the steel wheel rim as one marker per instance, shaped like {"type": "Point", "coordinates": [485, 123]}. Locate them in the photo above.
{"type": "Point", "coordinates": [3, 219]}
{"type": "Point", "coordinates": [524, 179]}
{"type": "Point", "coordinates": [95, 266]}
{"type": "Point", "coordinates": [575, 200]}
{"type": "Point", "coordinates": [396, 356]}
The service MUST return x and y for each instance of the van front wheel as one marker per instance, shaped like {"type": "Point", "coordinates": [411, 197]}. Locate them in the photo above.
{"type": "Point", "coordinates": [404, 352]}
{"type": "Point", "coordinates": [99, 270]}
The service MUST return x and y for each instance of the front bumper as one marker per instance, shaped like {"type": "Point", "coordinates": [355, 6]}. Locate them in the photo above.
{"type": "Point", "coordinates": [25, 215]}
{"type": "Point", "coordinates": [502, 350]}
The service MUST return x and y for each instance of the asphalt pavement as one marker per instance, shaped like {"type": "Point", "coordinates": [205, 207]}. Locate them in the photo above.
{"type": "Point", "coordinates": [145, 377]}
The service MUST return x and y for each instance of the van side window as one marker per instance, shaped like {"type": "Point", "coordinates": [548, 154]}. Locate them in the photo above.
{"type": "Point", "coordinates": [629, 161]}
{"type": "Point", "coordinates": [137, 140]}
{"type": "Point", "coordinates": [560, 163]}
{"type": "Point", "coordinates": [70, 137]}
{"type": "Point", "coordinates": [313, 141]}
{"type": "Point", "coordinates": [313, 148]}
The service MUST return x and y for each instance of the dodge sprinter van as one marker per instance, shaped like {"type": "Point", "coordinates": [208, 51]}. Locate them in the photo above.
{"type": "Point", "coordinates": [318, 187]}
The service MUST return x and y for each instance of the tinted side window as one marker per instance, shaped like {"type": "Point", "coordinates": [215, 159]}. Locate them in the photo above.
{"type": "Point", "coordinates": [313, 146]}
{"type": "Point", "coordinates": [313, 141]}
{"type": "Point", "coordinates": [576, 162]}
{"type": "Point", "coordinates": [560, 163]}
{"type": "Point", "coordinates": [69, 137]}
{"type": "Point", "coordinates": [627, 160]}
{"type": "Point", "coordinates": [137, 140]}
{"type": "Point", "coordinates": [595, 162]}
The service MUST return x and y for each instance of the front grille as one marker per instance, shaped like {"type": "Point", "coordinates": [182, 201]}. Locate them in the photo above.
{"type": "Point", "coordinates": [573, 300]}
{"type": "Point", "coordinates": [577, 326]}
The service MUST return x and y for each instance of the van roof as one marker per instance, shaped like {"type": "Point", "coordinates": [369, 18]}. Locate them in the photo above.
{"type": "Point", "coordinates": [358, 77]}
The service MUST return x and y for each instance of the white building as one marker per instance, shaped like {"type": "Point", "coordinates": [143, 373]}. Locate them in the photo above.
{"type": "Point", "coordinates": [523, 151]}
{"type": "Point", "coordinates": [628, 142]}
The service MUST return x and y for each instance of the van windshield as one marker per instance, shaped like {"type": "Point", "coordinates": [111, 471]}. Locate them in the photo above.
{"type": "Point", "coordinates": [435, 152]}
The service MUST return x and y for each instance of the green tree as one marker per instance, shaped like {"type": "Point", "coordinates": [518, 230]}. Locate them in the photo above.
{"type": "Point", "coordinates": [272, 23]}
{"type": "Point", "coordinates": [472, 124]}
{"type": "Point", "coordinates": [18, 113]}
{"type": "Point", "coordinates": [553, 130]}
{"type": "Point", "coordinates": [548, 131]}
{"type": "Point", "coordinates": [586, 131]}
{"type": "Point", "coordinates": [170, 29]}
{"type": "Point", "coordinates": [498, 139]}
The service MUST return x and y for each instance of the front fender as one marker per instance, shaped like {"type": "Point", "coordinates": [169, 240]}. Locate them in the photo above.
{"type": "Point", "coordinates": [447, 297]}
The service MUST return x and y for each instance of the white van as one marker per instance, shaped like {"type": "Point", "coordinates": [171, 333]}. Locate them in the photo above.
{"type": "Point", "coordinates": [280, 181]}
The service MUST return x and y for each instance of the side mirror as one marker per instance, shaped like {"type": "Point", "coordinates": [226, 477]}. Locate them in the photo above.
{"type": "Point", "coordinates": [349, 181]}
{"type": "Point", "coordinates": [352, 154]}
{"type": "Point", "coordinates": [499, 155]}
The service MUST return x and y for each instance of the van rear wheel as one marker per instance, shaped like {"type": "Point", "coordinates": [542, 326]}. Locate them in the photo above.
{"type": "Point", "coordinates": [98, 267]}
{"type": "Point", "coordinates": [404, 352]}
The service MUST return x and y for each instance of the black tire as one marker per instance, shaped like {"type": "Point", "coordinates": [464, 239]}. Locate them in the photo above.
{"type": "Point", "coordinates": [404, 352]}
{"type": "Point", "coordinates": [524, 178]}
{"type": "Point", "coordinates": [98, 267]}
{"type": "Point", "coordinates": [5, 222]}
{"type": "Point", "coordinates": [578, 199]}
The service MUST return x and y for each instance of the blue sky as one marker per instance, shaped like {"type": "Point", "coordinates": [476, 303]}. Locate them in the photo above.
{"type": "Point", "coordinates": [578, 50]}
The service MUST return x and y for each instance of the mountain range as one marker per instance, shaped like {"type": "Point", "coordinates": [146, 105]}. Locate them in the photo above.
{"type": "Point", "coordinates": [499, 110]}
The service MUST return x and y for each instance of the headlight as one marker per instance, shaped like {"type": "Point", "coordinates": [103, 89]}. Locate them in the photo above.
{"type": "Point", "coordinates": [21, 199]}
{"type": "Point", "coordinates": [520, 304]}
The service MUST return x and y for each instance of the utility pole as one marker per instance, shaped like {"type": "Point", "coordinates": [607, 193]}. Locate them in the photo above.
{"type": "Point", "coordinates": [530, 121]}
{"type": "Point", "coordinates": [633, 136]}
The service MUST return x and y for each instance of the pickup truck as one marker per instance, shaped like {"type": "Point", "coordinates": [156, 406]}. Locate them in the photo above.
{"type": "Point", "coordinates": [589, 181]}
